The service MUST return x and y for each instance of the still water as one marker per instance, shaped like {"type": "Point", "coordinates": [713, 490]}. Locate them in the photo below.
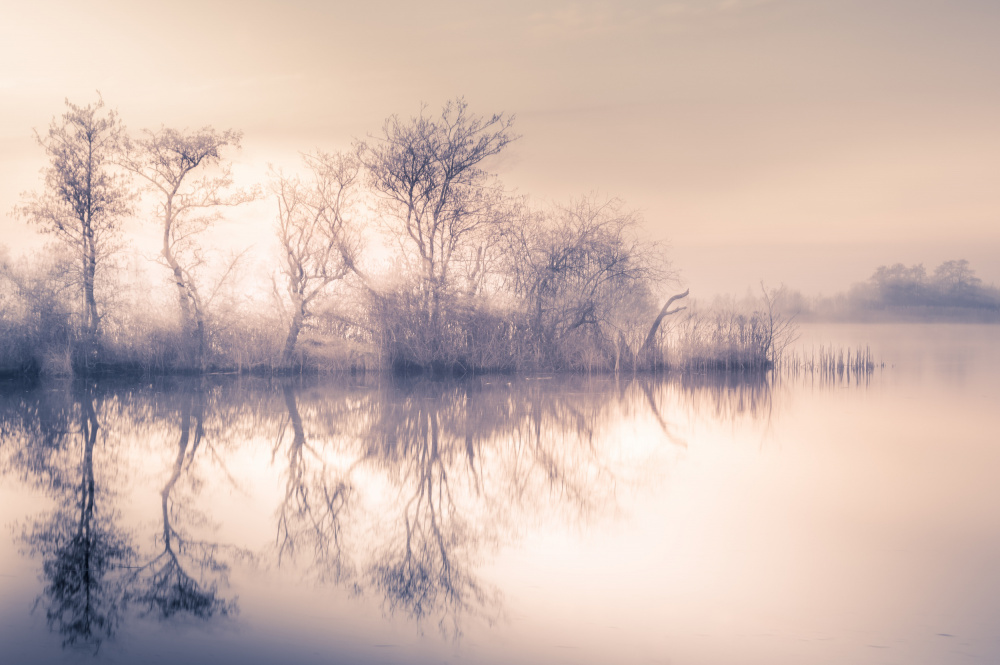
{"type": "Point", "coordinates": [688, 519]}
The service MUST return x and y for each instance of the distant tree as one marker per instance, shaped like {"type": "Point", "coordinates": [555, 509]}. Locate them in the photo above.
{"type": "Point", "coordinates": [84, 199]}
{"type": "Point", "coordinates": [192, 181]}
{"type": "Point", "coordinates": [438, 202]}
{"type": "Point", "coordinates": [320, 239]}
{"type": "Point", "coordinates": [899, 275]}
{"type": "Point", "coordinates": [956, 275]}
{"type": "Point", "coordinates": [953, 290]}
{"type": "Point", "coordinates": [899, 285]}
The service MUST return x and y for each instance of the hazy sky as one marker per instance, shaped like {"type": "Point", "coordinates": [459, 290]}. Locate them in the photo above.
{"type": "Point", "coordinates": [797, 140]}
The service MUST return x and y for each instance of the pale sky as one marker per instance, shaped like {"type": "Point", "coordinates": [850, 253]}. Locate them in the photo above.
{"type": "Point", "coordinates": [803, 141]}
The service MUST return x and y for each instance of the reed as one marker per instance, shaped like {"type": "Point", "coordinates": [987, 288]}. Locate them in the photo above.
{"type": "Point", "coordinates": [722, 340]}
{"type": "Point", "coordinates": [832, 363]}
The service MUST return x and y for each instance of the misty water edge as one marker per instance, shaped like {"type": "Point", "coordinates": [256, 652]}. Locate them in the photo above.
{"type": "Point", "coordinates": [791, 517]}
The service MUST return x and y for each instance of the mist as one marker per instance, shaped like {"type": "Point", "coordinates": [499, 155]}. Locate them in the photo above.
{"type": "Point", "coordinates": [659, 331]}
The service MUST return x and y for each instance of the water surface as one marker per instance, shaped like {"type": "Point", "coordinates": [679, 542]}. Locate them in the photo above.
{"type": "Point", "coordinates": [684, 519]}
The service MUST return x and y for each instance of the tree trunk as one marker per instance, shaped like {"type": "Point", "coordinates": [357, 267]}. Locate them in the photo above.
{"type": "Point", "coordinates": [199, 339]}
{"type": "Point", "coordinates": [647, 346]}
{"type": "Point", "coordinates": [182, 291]}
{"type": "Point", "coordinates": [435, 326]}
{"type": "Point", "coordinates": [293, 335]}
{"type": "Point", "coordinates": [89, 273]}
{"type": "Point", "coordinates": [192, 317]}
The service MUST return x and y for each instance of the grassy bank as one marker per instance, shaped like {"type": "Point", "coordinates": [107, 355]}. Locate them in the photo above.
{"type": "Point", "coordinates": [44, 341]}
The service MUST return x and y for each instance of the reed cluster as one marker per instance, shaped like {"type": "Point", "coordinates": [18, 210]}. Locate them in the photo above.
{"type": "Point", "coordinates": [832, 362]}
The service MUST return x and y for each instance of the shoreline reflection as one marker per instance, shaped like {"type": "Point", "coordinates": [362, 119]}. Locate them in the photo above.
{"type": "Point", "coordinates": [397, 490]}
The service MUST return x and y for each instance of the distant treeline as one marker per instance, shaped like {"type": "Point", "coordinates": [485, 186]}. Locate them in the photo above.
{"type": "Point", "coordinates": [401, 252]}
{"type": "Point", "coordinates": [952, 292]}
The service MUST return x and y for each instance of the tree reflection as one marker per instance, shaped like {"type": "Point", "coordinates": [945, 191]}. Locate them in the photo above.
{"type": "Point", "coordinates": [85, 555]}
{"type": "Point", "coordinates": [397, 490]}
{"type": "Point", "coordinates": [92, 569]}
{"type": "Point", "coordinates": [445, 473]}
{"type": "Point", "coordinates": [164, 583]}
{"type": "Point", "coordinates": [426, 567]}
{"type": "Point", "coordinates": [404, 489]}
{"type": "Point", "coordinates": [310, 514]}
{"type": "Point", "coordinates": [411, 545]}
{"type": "Point", "coordinates": [34, 427]}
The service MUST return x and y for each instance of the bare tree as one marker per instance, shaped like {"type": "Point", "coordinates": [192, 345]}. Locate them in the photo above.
{"type": "Point", "coordinates": [438, 202]}
{"type": "Point", "coordinates": [320, 240]}
{"type": "Point", "coordinates": [581, 269]}
{"type": "Point", "coordinates": [84, 199]}
{"type": "Point", "coordinates": [177, 167]}
{"type": "Point", "coordinates": [780, 330]}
